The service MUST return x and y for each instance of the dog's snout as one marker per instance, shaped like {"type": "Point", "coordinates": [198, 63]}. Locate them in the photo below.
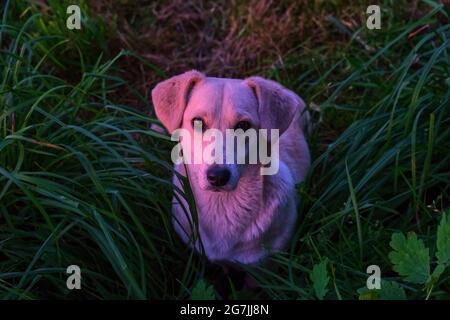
{"type": "Point", "coordinates": [218, 176]}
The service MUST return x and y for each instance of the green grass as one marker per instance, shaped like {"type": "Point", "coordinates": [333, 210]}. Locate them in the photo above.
{"type": "Point", "coordinates": [83, 181]}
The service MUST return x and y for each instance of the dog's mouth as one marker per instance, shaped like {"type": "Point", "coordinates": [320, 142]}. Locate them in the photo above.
{"type": "Point", "coordinates": [218, 189]}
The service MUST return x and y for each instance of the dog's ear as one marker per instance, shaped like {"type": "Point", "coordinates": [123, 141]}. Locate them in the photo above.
{"type": "Point", "coordinates": [171, 96]}
{"type": "Point", "coordinates": [277, 105]}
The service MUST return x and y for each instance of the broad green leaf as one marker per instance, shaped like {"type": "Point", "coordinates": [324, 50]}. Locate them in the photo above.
{"type": "Point", "coordinates": [443, 240]}
{"type": "Point", "coordinates": [410, 257]}
{"type": "Point", "coordinates": [389, 290]}
{"type": "Point", "coordinates": [202, 291]}
{"type": "Point", "coordinates": [367, 294]}
{"type": "Point", "coordinates": [320, 279]}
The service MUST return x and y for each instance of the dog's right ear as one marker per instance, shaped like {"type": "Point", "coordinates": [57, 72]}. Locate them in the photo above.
{"type": "Point", "coordinates": [171, 96]}
{"type": "Point", "coordinates": [278, 106]}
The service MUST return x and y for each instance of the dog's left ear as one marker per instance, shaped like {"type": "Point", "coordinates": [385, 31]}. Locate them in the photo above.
{"type": "Point", "coordinates": [277, 105]}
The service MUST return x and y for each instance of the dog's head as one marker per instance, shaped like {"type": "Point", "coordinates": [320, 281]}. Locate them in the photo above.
{"type": "Point", "coordinates": [192, 100]}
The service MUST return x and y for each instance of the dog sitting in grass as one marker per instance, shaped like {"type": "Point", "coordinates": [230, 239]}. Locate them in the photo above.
{"type": "Point", "coordinates": [243, 215]}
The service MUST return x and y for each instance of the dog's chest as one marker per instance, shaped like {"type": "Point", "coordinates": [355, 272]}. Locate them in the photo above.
{"type": "Point", "coordinates": [224, 219]}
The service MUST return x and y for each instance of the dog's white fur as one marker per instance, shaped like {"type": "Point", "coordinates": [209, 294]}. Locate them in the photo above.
{"type": "Point", "coordinates": [253, 214]}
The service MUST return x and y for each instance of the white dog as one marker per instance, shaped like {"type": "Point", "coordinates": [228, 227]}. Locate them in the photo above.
{"type": "Point", "coordinates": [242, 215]}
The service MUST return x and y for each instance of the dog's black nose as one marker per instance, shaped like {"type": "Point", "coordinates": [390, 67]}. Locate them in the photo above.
{"type": "Point", "coordinates": [218, 176]}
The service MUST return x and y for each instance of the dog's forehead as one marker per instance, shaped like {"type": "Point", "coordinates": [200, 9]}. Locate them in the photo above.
{"type": "Point", "coordinates": [223, 96]}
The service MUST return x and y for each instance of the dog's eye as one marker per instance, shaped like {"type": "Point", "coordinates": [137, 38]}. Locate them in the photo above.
{"type": "Point", "coordinates": [198, 122]}
{"type": "Point", "coordinates": [244, 125]}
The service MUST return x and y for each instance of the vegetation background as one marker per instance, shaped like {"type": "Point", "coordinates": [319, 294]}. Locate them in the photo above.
{"type": "Point", "coordinates": [84, 181]}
